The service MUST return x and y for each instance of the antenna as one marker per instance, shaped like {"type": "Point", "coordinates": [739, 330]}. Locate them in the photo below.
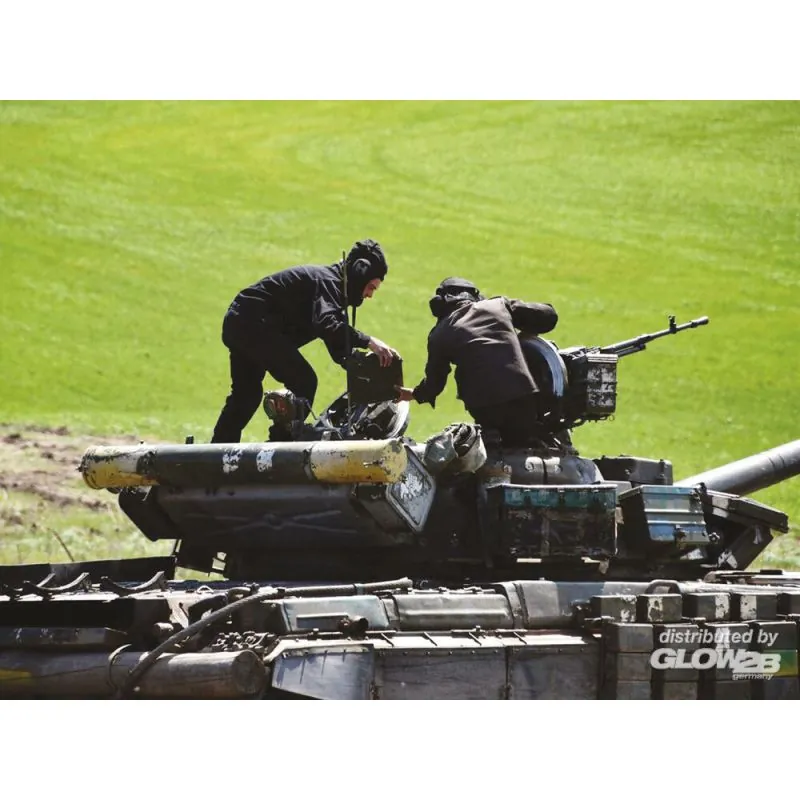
{"type": "Point", "coordinates": [346, 346]}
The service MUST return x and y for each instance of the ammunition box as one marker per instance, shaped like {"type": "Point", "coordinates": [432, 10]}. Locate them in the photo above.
{"type": "Point", "coordinates": [593, 384]}
{"type": "Point", "coordinates": [542, 521]}
{"type": "Point", "coordinates": [369, 382]}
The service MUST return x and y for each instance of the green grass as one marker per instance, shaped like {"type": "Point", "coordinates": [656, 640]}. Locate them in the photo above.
{"type": "Point", "coordinates": [61, 535]}
{"type": "Point", "coordinates": [126, 229]}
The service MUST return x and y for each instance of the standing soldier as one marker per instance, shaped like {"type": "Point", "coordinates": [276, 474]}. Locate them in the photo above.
{"type": "Point", "coordinates": [267, 324]}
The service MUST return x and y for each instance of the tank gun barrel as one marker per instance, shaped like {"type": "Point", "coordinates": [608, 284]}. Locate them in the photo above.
{"type": "Point", "coordinates": [629, 346]}
{"type": "Point", "coordinates": [750, 474]}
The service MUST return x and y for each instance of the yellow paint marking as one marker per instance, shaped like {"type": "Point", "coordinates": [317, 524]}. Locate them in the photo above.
{"type": "Point", "coordinates": [14, 675]}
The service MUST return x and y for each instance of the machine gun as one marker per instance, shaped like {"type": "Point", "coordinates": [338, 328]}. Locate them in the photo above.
{"type": "Point", "coordinates": [579, 384]}
{"type": "Point", "coordinates": [638, 343]}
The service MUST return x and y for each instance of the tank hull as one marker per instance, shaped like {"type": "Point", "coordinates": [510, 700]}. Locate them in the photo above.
{"type": "Point", "coordinates": [511, 640]}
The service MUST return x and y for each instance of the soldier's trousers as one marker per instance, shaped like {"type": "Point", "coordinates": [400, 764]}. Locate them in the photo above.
{"type": "Point", "coordinates": [515, 420]}
{"type": "Point", "coordinates": [257, 348]}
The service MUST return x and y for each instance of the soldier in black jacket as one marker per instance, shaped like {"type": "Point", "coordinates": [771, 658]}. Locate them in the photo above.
{"type": "Point", "coordinates": [479, 337]}
{"type": "Point", "coordinates": [267, 324]}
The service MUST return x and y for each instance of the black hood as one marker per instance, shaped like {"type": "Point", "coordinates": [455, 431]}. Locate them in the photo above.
{"type": "Point", "coordinates": [456, 286]}
{"type": "Point", "coordinates": [364, 262]}
{"type": "Point", "coordinates": [452, 293]}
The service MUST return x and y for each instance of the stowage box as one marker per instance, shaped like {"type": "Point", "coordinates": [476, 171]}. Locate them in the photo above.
{"type": "Point", "coordinates": [661, 518]}
{"type": "Point", "coordinates": [403, 505]}
{"type": "Point", "coordinates": [543, 521]}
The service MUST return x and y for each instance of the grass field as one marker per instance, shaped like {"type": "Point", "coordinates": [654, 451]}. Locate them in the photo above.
{"type": "Point", "coordinates": [126, 229]}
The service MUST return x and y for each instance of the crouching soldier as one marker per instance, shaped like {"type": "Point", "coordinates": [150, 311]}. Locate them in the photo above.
{"type": "Point", "coordinates": [479, 337]}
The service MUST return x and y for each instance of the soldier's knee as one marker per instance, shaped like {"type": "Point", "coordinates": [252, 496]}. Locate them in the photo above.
{"type": "Point", "coordinates": [249, 396]}
{"type": "Point", "coordinates": [306, 385]}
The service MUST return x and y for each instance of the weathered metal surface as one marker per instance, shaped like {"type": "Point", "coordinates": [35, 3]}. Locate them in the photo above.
{"type": "Point", "coordinates": [329, 672]}
{"type": "Point", "coordinates": [554, 666]}
{"type": "Point", "coordinates": [636, 471]}
{"type": "Point", "coordinates": [747, 606]}
{"type": "Point", "coordinates": [465, 673]}
{"type": "Point", "coordinates": [326, 613]}
{"type": "Point", "coordinates": [404, 504]}
{"type": "Point", "coordinates": [221, 676]}
{"type": "Point", "coordinates": [621, 607]}
{"type": "Point", "coordinates": [521, 466]}
{"type": "Point", "coordinates": [551, 604]}
{"type": "Point", "coordinates": [438, 611]}
{"type": "Point", "coordinates": [723, 507]}
{"type": "Point", "coordinates": [634, 637]}
{"type": "Point", "coordinates": [273, 518]}
{"type": "Point", "coordinates": [663, 516]}
{"type": "Point", "coordinates": [517, 640]}
{"type": "Point", "coordinates": [290, 525]}
{"type": "Point", "coordinates": [711, 606]}
{"type": "Point", "coordinates": [627, 667]}
{"type": "Point", "coordinates": [594, 376]}
{"type": "Point", "coordinates": [381, 461]}
{"type": "Point", "coordinates": [61, 638]}
{"type": "Point", "coordinates": [540, 521]}
{"type": "Point", "coordinates": [447, 666]}
{"type": "Point", "coordinates": [127, 569]}
{"type": "Point", "coordinates": [659, 608]}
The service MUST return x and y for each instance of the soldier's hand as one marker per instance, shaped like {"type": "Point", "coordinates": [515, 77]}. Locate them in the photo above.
{"type": "Point", "coordinates": [385, 353]}
{"type": "Point", "coordinates": [404, 393]}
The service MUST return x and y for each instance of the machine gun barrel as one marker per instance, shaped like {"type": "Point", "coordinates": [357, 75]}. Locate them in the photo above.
{"type": "Point", "coordinates": [750, 474]}
{"type": "Point", "coordinates": [628, 346]}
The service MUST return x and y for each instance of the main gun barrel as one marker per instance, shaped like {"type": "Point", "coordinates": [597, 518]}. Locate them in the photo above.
{"type": "Point", "coordinates": [750, 474]}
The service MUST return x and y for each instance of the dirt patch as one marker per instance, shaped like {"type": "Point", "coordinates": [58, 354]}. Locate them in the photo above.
{"type": "Point", "coordinates": [47, 512]}
{"type": "Point", "coordinates": [43, 462]}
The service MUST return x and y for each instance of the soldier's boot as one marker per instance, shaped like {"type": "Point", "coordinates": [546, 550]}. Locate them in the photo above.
{"type": "Point", "coordinates": [280, 433]}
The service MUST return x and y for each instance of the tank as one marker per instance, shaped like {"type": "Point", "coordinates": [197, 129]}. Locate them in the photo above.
{"type": "Point", "coordinates": [348, 561]}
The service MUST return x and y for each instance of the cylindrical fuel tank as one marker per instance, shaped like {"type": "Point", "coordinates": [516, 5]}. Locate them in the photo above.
{"type": "Point", "coordinates": [222, 676]}
{"type": "Point", "coordinates": [212, 465]}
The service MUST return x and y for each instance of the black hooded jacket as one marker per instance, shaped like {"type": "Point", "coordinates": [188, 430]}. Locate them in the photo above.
{"type": "Point", "coordinates": [480, 339]}
{"type": "Point", "coordinates": [307, 303]}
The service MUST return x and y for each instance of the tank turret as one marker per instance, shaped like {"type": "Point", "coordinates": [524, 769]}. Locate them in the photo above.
{"type": "Point", "coordinates": [356, 500]}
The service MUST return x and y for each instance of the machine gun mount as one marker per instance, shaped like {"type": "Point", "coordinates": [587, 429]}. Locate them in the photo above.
{"type": "Point", "coordinates": [579, 384]}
